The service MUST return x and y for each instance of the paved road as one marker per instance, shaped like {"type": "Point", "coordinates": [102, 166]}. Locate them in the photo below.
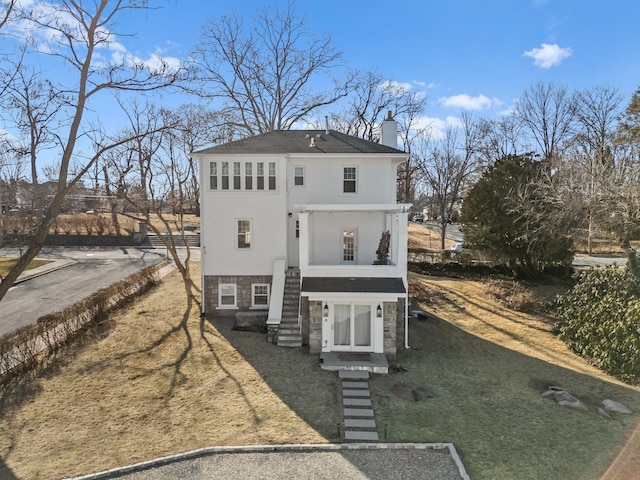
{"type": "Point", "coordinates": [90, 270]}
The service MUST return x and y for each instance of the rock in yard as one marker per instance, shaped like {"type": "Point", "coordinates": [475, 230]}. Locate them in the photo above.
{"type": "Point", "coordinates": [564, 398]}
{"type": "Point", "coordinates": [617, 407]}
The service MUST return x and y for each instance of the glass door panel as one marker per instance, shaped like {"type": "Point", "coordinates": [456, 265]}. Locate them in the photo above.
{"type": "Point", "coordinates": [362, 326]}
{"type": "Point", "coordinates": [342, 325]}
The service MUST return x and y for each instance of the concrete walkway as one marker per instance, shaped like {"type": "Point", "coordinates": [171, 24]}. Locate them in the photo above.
{"type": "Point", "coordinates": [359, 419]}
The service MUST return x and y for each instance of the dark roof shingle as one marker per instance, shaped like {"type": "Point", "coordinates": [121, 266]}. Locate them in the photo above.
{"type": "Point", "coordinates": [300, 141]}
{"type": "Point", "coordinates": [353, 285]}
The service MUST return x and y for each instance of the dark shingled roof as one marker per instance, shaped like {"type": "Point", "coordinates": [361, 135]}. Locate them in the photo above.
{"type": "Point", "coordinates": [353, 285]}
{"type": "Point", "coordinates": [299, 141]}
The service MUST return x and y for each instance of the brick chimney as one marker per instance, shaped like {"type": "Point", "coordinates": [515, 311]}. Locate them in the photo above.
{"type": "Point", "coordinates": [389, 131]}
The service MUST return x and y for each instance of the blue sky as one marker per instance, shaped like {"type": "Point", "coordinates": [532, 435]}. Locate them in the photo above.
{"type": "Point", "coordinates": [470, 54]}
{"type": "Point", "coordinates": [463, 54]}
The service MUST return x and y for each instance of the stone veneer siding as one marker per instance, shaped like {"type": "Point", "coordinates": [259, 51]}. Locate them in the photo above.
{"type": "Point", "coordinates": [393, 326]}
{"type": "Point", "coordinates": [243, 292]}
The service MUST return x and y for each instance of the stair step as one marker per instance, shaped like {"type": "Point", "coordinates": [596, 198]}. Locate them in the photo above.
{"type": "Point", "coordinates": [356, 402]}
{"type": "Point", "coordinates": [353, 374]}
{"type": "Point", "coordinates": [358, 385]}
{"type": "Point", "coordinates": [358, 412]}
{"type": "Point", "coordinates": [358, 435]}
{"type": "Point", "coordinates": [359, 423]}
{"type": "Point", "coordinates": [356, 393]}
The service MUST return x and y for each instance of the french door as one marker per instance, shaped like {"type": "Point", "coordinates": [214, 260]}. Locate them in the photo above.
{"type": "Point", "coordinates": [352, 327]}
{"type": "Point", "coordinates": [349, 245]}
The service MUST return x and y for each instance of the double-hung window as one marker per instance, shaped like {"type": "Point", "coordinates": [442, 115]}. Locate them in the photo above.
{"type": "Point", "coordinates": [227, 295]}
{"type": "Point", "coordinates": [260, 177]}
{"type": "Point", "coordinates": [243, 230]}
{"type": "Point", "coordinates": [272, 175]}
{"type": "Point", "coordinates": [225, 175]}
{"type": "Point", "coordinates": [349, 179]}
{"type": "Point", "coordinates": [248, 176]}
{"type": "Point", "coordinates": [298, 176]}
{"type": "Point", "coordinates": [213, 176]}
{"type": "Point", "coordinates": [236, 175]}
{"type": "Point", "coordinates": [260, 295]}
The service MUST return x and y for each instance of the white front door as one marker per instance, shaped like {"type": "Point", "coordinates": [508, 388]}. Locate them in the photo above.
{"type": "Point", "coordinates": [349, 245]}
{"type": "Point", "coordinates": [352, 327]}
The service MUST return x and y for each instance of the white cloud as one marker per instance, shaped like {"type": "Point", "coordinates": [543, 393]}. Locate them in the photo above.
{"type": "Point", "coordinates": [548, 55]}
{"type": "Point", "coordinates": [467, 102]}
{"type": "Point", "coordinates": [436, 127]}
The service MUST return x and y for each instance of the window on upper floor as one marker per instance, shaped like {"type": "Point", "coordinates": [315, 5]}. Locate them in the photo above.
{"type": "Point", "coordinates": [349, 179]}
{"type": "Point", "coordinates": [272, 175]}
{"type": "Point", "coordinates": [260, 175]}
{"type": "Point", "coordinates": [248, 176]}
{"type": "Point", "coordinates": [225, 175]}
{"type": "Point", "coordinates": [298, 176]}
{"type": "Point", "coordinates": [213, 175]}
{"type": "Point", "coordinates": [243, 229]}
{"type": "Point", "coordinates": [236, 176]}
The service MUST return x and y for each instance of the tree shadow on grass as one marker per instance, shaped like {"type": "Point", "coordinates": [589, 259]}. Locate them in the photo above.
{"type": "Point", "coordinates": [292, 374]}
{"type": "Point", "coordinates": [6, 473]}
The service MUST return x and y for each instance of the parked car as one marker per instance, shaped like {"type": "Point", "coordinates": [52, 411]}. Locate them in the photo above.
{"type": "Point", "coordinates": [446, 219]}
{"type": "Point", "coordinates": [457, 247]}
{"type": "Point", "coordinates": [417, 218]}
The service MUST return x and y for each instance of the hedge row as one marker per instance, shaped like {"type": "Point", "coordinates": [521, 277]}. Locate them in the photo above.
{"type": "Point", "coordinates": [32, 346]}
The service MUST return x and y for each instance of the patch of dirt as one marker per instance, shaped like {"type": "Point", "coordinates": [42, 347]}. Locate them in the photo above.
{"type": "Point", "coordinates": [410, 393]}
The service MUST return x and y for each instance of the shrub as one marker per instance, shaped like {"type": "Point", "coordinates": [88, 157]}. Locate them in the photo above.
{"type": "Point", "coordinates": [32, 346]}
{"type": "Point", "coordinates": [599, 318]}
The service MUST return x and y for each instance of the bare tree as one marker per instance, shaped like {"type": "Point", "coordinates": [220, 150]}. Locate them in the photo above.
{"type": "Point", "coordinates": [447, 165]}
{"type": "Point", "coordinates": [6, 8]}
{"type": "Point", "coordinates": [597, 111]}
{"type": "Point", "coordinates": [501, 137]}
{"type": "Point", "coordinates": [76, 32]}
{"type": "Point", "coordinates": [152, 176]}
{"type": "Point", "coordinates": [34, 104]}
{"type": "Point", "coordinates": [264, 71]}
{"type": "Point", "coordinates": [547, 113]}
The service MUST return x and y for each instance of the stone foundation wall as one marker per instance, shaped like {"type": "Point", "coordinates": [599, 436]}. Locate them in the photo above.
{"type": "Point", "coordinates": [243, 292]}
{"type": "Point", "coordinates": [390, 310]}
{"type": "Point", "coordinates": [313, 317]}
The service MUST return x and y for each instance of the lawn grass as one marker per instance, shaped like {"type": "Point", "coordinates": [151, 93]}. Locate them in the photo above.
{"type": "Point", "coordinates": [488, 366]}
{"type": "Point", "coordinates": [6, 264]}
{"type": "Point", "coordinates": [156, 379]}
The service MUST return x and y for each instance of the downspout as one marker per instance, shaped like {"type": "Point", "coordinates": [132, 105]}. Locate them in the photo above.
{"type": "Point", "coordinates": [406, 320]}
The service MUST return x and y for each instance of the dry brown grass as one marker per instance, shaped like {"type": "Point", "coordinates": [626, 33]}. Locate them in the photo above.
{"type": "Point", "coordinates": [423, 238]}
{"type": "Point", "coordinates": [472, 306]}
{"type": "Point", "coordinates": [156, 381]}
{"type": "Point", "coordinates": [6, 264]}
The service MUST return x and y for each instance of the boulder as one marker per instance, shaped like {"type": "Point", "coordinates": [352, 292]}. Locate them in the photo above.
{"type": "Point", "coordinates": [617, 407]}
{"type": "Point", "coordinates": [564, 398]}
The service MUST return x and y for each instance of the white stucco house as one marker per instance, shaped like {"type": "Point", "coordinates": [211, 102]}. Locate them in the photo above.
{"type": "Point", "coordinates": [290, 225]}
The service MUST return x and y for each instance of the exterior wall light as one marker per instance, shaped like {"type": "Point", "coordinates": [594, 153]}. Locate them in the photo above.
{"type": "Point", "coordinates": [325, 310]}
{"type": "Point", "coordinates": [379, 311]}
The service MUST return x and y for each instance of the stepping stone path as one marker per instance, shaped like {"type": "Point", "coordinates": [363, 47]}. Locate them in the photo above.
{"type": "Point", "coordinates": [359, 421]}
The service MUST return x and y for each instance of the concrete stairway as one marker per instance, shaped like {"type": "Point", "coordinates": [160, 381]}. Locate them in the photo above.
{"type": "Point", "coordinates": [289, 330]}
{"type": "Point", "coordinates": [192, 238]}
{"type": "Point", "coordinates": [359, 420]}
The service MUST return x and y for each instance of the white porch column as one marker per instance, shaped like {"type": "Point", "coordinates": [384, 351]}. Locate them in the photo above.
{"type": "Point", "coordinates": [305, 240]}
{"type": "Point", "coordinates": [403, 239]}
